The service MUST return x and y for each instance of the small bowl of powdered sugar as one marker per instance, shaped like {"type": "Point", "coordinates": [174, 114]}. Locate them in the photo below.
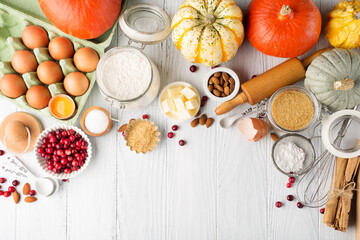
{"type": "Point", "coordinates": [293, 154]}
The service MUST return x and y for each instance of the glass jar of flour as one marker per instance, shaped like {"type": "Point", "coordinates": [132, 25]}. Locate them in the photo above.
{"type": "Point", "coordinates": [126, 77]}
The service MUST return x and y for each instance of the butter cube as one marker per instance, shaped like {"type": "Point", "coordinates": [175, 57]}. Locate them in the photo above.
{"type": "Point", "coordinates": [173, 92]}
{"type": "Point", "coordinates": [192, 104]}
{"type": "Point", "coordinates": [183, 115]}
{"type": "Point", "coordinates": [179, 103]}
{"type": "Point", "coordinates": [188, 93]}
{"type": "Point", "coordinates": [168, 105]}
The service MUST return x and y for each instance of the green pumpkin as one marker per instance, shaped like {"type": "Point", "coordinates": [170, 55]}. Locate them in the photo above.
{"type": "Point", "coordinates": [334, 78]}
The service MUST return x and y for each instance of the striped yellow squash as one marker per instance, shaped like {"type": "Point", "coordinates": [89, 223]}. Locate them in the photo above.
{"type": "Point", "coordinates": [208, 31]}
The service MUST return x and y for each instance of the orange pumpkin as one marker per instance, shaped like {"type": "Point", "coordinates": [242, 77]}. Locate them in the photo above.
{"type": "Point", "coordinates": [84, 19]}
{"type": "Point", "coordinates": [283, 28]}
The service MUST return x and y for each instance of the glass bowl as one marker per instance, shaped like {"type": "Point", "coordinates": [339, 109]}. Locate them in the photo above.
{"type": "Point", "coordinates": [301, 142]}
{"type": "Point", "coordinates": [316, 105]}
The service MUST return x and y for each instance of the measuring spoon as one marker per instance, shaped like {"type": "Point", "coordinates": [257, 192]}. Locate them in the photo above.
{"type": "Point", "coordinates": [44, 186]}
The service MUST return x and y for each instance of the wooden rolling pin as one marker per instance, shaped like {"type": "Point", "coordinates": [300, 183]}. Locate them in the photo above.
{"type": "Point", "coordinates": [266, 84]}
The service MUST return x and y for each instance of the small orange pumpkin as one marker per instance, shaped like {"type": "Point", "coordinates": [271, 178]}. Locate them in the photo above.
{"type": "Point", "coordinates": [283, 28]}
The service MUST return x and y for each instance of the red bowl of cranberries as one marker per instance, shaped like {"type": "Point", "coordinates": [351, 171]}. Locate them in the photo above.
{"type": "Point", "coordinates": [63, 151]}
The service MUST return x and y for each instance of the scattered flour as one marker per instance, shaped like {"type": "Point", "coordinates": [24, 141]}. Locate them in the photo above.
{"type": "Point", "coordinates": [126, 75]}
{"type": "Point", "coordinates": [289, 157]}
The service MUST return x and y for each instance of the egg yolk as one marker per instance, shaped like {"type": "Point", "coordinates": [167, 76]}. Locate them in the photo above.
{"type": "Point", "coordinates": [62, 107]}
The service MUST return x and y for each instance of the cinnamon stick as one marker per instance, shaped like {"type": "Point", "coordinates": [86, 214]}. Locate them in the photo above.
{"type": "Point", "coordinates": [331, 208]}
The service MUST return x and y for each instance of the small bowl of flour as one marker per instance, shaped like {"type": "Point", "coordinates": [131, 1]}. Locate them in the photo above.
{"type": "Point", "coordinates": [293, 154]}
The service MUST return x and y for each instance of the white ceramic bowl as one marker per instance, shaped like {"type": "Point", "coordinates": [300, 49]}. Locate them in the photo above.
{"type": "Point", "coordinates": [232, 74]}
{"type": "Point", "coordinates": [179, 83]}
{"type": "Point", "coordinates": [42, 162]}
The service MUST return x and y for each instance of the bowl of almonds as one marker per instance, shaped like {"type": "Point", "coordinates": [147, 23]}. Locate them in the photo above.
{"type": "Point", "coordinates": [221, 84]}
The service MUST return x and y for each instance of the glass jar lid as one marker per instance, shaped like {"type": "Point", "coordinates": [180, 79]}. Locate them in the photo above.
{"type": "Point", "coordinates": [145, 23]}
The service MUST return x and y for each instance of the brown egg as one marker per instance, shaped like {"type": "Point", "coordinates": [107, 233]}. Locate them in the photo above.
{"type": "Point", "coordinates": [86, 59]}
{"type": "Point", "coordinates": [12, 85]}
{"type": "Point", "coordinates": [34, 37]}
{"type": "Point", "coordinates": [24, 61]}
{"type": "Point", "coordinates": [76, 83]}
{"type": "Point", "coordinates": [61, 48]}
{"type": "Point", "coordinates": [38, 96]}
{"type": "Point", "coordinates": [49, 72]}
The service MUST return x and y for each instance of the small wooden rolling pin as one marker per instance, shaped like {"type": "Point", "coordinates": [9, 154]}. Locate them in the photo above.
{"type": "Point", "coordinates": [266, 84]}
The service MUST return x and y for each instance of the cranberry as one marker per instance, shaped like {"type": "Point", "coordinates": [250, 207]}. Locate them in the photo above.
{"type": "Point", "coordinates": [322, 210]}
{"type": "Point", "coordinates": [123, 133]}
{"type": "Point", "coordinates": [68, 152]}
{"type": "Point", "coordinates": [52, 139]}
{"type": "Point", "coordinates": [78, 143]}
{"type": "Point", "coordinates": [253, 76]}
{"type": "Point", "coordinates": [193, 68]}
{"type": "Point", "coordinates": [7, 194]}
{"type": "Point", "coordinates": [47, 156]}
{"type": "Point", "coordinates": [299, 205]}
{"type": "Point", "coordinates": [72, 145]}
{"type": "Point", "coordinates": [1, 193]}
{"type": "Point", "coordinates": [69, 164]}
{"type": "Point", "coordinates": [81, 163]}
{"type": "Point", "coordinates": [11, 189]}
{"type": "Point", "coordinates": [72, 138]}
{"type": "Point", "coordinates": [51, 134]}
{"type": "Point", "coordinates": [15, 183]}
{"type": "Point", "coordinates": [55, 170]}
{"type": "Point", "coordinates": [291, 179]}
{"type": "Point", "coordinates": [79, 158]}
{"type": "Point", "coordinates": [43, 155]}
{"type": "Point", "coordinates": [43, 145]}
{"type": "Point", "coordinates": [32, 193]}
{"type": "Point", "coordinates": [56, 158]}
{"type": "Point", "coordinates": [75, 163]}
{"type": "Point", "coordinates": [62, 141]}
{"type": "Point", "coordinates": [290, 197]}
{"type": "Point", "coordinates": [288, 185]}
{"type": "Point", "coordinates": [65, 180]}
{"type": "Point", "coordinates": [2, 152]}
{"type": "Point", "coordinates": [58, 166]}
{"type": "Point", "coordinates": [58, 131]}
{"type": "Point", "coordinates": [40, 150]}
{"type": "Point", "coordinates": [70, 158]}
{"type": "Point", "coordinates": [77, 136]}
{"type": "Point", "coordinates": [48, 162]}
{"type": "Point", "coordinates": [84, 155]}
{"type": "Point", "coordinates": [170, 135]}
{"type": "Point", "coordinates": [49, 150]}
{"type": "Point", "coordinates": [49, 145]}
{"type": "Point", "coordinates": [181, 142]}
{"type": "Point", "coordinates": [145, 116]}
{"type": "Point", "coordinates": [45, 140]}
{"type": "Point", "coordinates": [204, 98]}
{"type": "Point", "coordinates": [67, 170]}
{"type": "Point", "coordinates": [63, 161]}
{"type": "Point", "coordinates": [213, 67]}
{"type": "Point", "coordinates": [64, 133]}
{"type": "Point", "coordinates": [58, 136]}
{"type": "Point", "coordinates": [2, 180]}
{"type": "Point", "coordinates": [278, 204]}
{"type": "Point", "coordinates": [175, 127]}
{"type": "Point", "coordinates": [70, 132]}
{"type": "Point", "coordinates": [59, 152]}
{"type": "Point", "coordinates": [50, 167]}
{"type": "Point", "coordinates": [73, 151]}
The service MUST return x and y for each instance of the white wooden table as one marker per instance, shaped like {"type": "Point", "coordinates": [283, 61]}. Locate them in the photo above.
{"type": "Point", "coordinates": [218, 186]}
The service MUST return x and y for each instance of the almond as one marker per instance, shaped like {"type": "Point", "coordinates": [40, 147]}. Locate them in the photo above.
{"type": "Point", "coordinates": [220, 88]}
{"type": "Point", "coordinates": [198, 114]}
{"type": "Point", "coordinates": [232, 87]}
{"type": "Point", "coordinates": [30, 199]}
{"type": "Point", "coordinates": [194, 122]}
{"type": "Point", "coordinates": [26, 189]}
{"type": "Point", "coordinates": [209, 122]}
{"type": "Point", "coordinates": [131, 121]}
{"type": "Point", "coordinates": [211, 87]}
{"type": "Point", "coordinates": [215, 80]}
{"type": "Point", "coordinates": [227, 90]}
{"type": "Point", "coordinates": [122, 128]}
{"type": "Point", "coordinates": [224, 76]}
{"type": "Point", "coordinates": [218, 74]}
{"type": "Point", "coordinates": [216, 93]}
{"type": "Point", "coordinates": [203, 119]}
{"type": "Point", "coordinates": [223, 94]}
{"type": "Point", "coordinates": [16, 197]}
{"type": "Point", "coordinates": [274, 137]}
{"type": "Point", "coordinates": [231, 81]}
